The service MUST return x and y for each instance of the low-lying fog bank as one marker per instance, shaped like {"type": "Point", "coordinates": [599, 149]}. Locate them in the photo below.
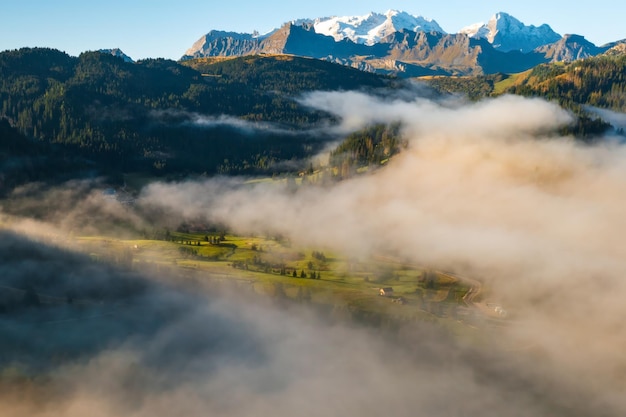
{"type": "Point", "coordinates": [486, 189]}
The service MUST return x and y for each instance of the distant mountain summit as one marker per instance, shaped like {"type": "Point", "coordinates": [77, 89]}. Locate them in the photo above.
{"type": "Point", "coordinates": [399, 43]}
{"type": "Point", "coordinates": [371, 28]}
{"type": "Point", "coordinates": [221, 43]}
{"type": "Point", "coordinates": [616, 48]}
{"type": "Point", "coordinates": [506, 33]}
{"type": "Point", "coordinates": [361, 30]}
{"type": "Point", "coordinates": [570, 48]}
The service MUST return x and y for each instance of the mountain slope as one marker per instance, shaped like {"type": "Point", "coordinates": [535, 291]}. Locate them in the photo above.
{"type": "Point", "coordinates": [506, 33]}
{"type": "Point", "coordinates": [616, 48]}
{"type": "Point", "coordinates": [220, 43]}
{"type": "Point", "coordinates": [285, 74]}
{"type": "Point", "coordinates": [373, 27]}
{"type": "Point", "coordinates": [404, 52]}
{"type": "Point", "coordinates": [570, 48]}
{"type": "Point", "coordinates": [24, 160]}
{"type": "Point", "coordinates": [401, 44]}
{"type": "Point", "coordinates": [162, 117]}
{"type": "Point", "coordinates": [597, 81]}
{"type": "Point", "coordinates": [289, 39]}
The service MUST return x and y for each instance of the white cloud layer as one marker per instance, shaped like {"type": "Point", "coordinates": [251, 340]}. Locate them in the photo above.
{"type": "Point", "coordinates": [486, 189]}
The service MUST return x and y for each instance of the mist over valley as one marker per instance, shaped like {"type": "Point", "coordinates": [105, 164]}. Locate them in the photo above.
{"type": "Point", "coordinates": [278, 235]}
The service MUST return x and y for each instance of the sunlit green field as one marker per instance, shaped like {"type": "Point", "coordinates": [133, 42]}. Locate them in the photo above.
{"type": "Point", "coordinates": [272, 267]}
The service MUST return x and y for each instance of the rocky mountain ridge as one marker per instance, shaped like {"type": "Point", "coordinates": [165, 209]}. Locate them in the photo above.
{"type": "Point", "coordinates": [405, 45]}
{"type": "Point", "coordinates": [506, 33]}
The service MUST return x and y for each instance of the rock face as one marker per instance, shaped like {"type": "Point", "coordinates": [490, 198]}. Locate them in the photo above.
{"type": "Point", "coordinates": [219, 43]}
{"type": "Point", "coordinates": [405, 45]}
{"type": "Point", "coordinates": [505, 33]}
{"type": "Point", "coordinates": [295, 39]}
{"type": "Point", "coordinates": [373, 27]}
{"type": "Point", "coordinates": [616, 48]}
{"type": "Point", "coordinates": [570, 48]}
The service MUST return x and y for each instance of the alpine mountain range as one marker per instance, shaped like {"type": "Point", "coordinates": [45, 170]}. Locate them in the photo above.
{"type": "Point", "coordinates": [396, 42]}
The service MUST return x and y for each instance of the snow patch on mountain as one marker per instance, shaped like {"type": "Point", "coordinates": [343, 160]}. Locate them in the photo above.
{"type": "Point", "coordinates": [371, 28]}
{"type": "Point", "coordinates": [506, 33]}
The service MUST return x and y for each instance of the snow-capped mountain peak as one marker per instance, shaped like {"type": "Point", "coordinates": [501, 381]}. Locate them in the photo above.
{"type": "Point", "coordinates": [506, 33]}
{"type": "Point", "coordinates": [372, 27]}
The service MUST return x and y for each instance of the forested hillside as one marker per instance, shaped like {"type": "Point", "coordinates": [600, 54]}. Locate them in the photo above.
{"type": "Point", "coordinates": [96, 113]}
{"type": "Point", "coordinates": [25, 160]}
{"type": "Point", "coordinates": [371, 146]}
{"type": "Point", "coordinates": [599, 81]}
{"type": "Point", "coordinates": [473, 87]}
{"type": "Point", "coordinates": [164, 117]}
{"type": "Point", "coordinates": [282, 73]}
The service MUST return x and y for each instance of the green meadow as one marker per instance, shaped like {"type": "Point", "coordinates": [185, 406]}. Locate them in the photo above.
{"type": "Point", "coordinates": [274, 268]}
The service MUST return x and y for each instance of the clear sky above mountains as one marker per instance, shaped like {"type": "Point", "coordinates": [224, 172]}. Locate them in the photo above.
{"type": "Point", "coordinates": [166, 28]}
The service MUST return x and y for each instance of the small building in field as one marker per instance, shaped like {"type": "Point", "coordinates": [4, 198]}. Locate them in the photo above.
{"type": "Point", "coordinates": [386, 292]}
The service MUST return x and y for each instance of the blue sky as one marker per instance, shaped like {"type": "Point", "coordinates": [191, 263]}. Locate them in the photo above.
{"type": "Point", "coordinates": [166, 28]}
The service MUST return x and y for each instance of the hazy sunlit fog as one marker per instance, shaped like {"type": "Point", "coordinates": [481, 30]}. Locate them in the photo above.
{"type": "Point", "coordinates": [487, 190]}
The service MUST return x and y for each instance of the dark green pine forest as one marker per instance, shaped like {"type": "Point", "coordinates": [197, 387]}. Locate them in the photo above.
{"type": "Point", "coordinates": [162, 117]}
{"type": "Point", "coordinates": [95, 115]}
{"type": "Point", "coordinates": [599, 81]}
